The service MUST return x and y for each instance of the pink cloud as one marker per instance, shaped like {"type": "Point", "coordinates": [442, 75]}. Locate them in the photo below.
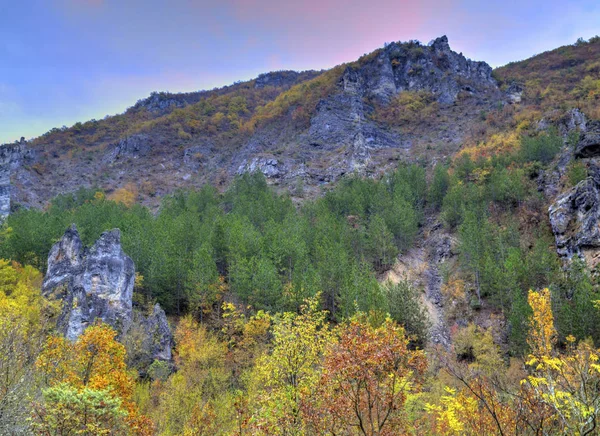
{"type": "Point", "coordinates": [338, 30]}
{"type": "Point", "coordinates": [94, 3]}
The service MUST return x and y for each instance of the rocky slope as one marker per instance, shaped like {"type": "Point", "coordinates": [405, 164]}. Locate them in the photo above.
{"type": "Point", "coordinates": [313, 126]}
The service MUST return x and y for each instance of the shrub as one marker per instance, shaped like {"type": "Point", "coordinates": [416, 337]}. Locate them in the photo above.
{"type": "Point", "coordinates": [576, 172]}
{"type": "Point", "coordinates": [541, 148]}
{"type": "Point", "coordinates": [405, 307]}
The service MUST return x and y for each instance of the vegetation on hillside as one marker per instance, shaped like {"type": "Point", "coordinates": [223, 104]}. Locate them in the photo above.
{"type": "Point", "coordinates": [563, 78]}
{"type": "Point", "coordinates": [281, 324]}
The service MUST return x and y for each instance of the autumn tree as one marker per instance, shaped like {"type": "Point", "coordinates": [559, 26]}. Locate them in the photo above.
{"type": "Point", "coordinates": [67, 410]}
{"type": "Point", "coordinates": [23, 325]}
{"type": "Point", "coordinates": [282, 378]}
{"type": "Point", "coordinates": [367, 376]}
{"type": "Point", "coordinates": [126, 195]}
{"type": "Point", "coordinates": [185, 402]}
{"type": "Point", "coordinates": [569, 383]}
{"type": "Point", "coordinates": [95, 362]}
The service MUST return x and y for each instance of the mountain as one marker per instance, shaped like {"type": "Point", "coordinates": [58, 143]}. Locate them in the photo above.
{"type": "Point", "coordinates": [403, 101]}
{"type": "Point", "coordinates": [406, 101]}
{"type": "Point", "coordinates": [468, 272]}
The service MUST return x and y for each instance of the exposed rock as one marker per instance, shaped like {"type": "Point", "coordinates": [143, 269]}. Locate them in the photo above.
{"type": "Point", "coordinates": [589, 144]}
{"type": "Point", "coordinates": [133, 146]}
{"type": "Point", "coordinates": [343, 119]}
{"type": "Point", "coordinates": [161, 102]}
{"type": "Point", "coordinates": [277, 78]}
{"type": "Point", "coordinates": [159, 338]}
{"type": "Point", "coordinates": [438, 69]}
{"type": "Point", "coordinates": [93, 284]}
{"type": "Point", "coordinates": [148, 339]}
{"type": "Point", "coordinates": [10, 158]}
{"type": "Point", "coordinates": [574, 218]}
{"type": "Point", "coordinates": [270, 167]}
{"type": "Point", "coordinates": [564, 122]}
{"type": "Point", "coordinates": [97, 284]}
{"type": "Point", "coordinates": [575, 120]}
{"type": "Point", "coordinates": [514, 93]}
{"type": "Point", "coordinates": [193, 156]}
{"type": "Point", "coordinates": [549, 180]}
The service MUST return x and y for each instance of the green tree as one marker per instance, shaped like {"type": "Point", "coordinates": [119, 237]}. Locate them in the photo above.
{"type": "Point", "coordinates": [68, 411]}
{"type": "Point", "coordinates": [406, 308]}
{"type": "Point", "coordinates": [439, 186]}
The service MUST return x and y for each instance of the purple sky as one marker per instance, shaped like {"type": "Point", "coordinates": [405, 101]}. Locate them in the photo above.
{"type": "Point", "coordinates": [63, 61]}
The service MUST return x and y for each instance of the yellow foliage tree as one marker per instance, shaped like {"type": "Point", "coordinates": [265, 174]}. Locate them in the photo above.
{"type": "Point", "coordinates": [569, 383]}
{"type": "Point", "coordinates": [96, 362]}
{"type": "Point", "coordinates": [185, 400]}
{"type": "Point", "coordinates": [281, 379]}
{"type": "Point", "coordinates": [126, 195]}
{"type": "Point", "coordinates": [23, 314]}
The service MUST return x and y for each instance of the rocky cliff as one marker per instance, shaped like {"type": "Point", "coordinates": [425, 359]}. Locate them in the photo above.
{"type": "Point", "coordinates": [575, 213]}
{"type": "Point", "coordinates": [11, 156]}
{"type": "Point", "coordinates": [344, 119]}
{"type": "Point", "coordinates": [96, 283]}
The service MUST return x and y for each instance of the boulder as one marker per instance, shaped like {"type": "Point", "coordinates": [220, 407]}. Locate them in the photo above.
{"type": "Point", "coordinates": [514, 93]}
{"type": "Point", "coordinates": [97, 284]}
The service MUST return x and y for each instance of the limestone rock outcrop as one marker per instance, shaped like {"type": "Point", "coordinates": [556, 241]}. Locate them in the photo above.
{"type": "Point", "coordinates": [343, 118]}
{"type": "Point", "coordinates": [575, 219]}
{"type": "Point", "coordinates": [133, 146]}
{"type": "Point", "coordinates": [10, 157]}
{"type": "Point", "coordinates": [589, 143]}
{"type": "Point", "coordinates": [96, 283]}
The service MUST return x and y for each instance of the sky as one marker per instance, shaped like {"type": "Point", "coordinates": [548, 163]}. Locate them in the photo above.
{"type": "Point", "coordinates": [63, 61]}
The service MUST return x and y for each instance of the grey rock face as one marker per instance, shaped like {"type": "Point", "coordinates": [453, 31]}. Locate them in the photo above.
{"type": "Point", "coordinates": [514, 93]}
{"type": "Point", "coordinates": [161, 102]}
{"type": "Point", "coordinates": [343, 119]}
{"type": "Point", "coordinates": [97, 284]}
{"type": "Point", "coordinates": [10, 158]}
{"type": "Point", "coordinates": [270, 167]}
{"type": "Point", "coordinates": [133, 146]}
{"type": "Point", "coordinates": [565, 122]}
{"type": "Point", "coordinates": [436, 68]}
{"type": "Point", "coordinates": [159, 338]}
{"type": "Point", "coordinates": [575, 218]}
{"type": "Point", "coordinates": [589, 144]}
{"type": "Point", "coordinates": [277, 78]}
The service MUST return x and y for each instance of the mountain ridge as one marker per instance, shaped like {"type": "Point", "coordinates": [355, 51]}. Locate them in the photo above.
{"type": "Point", "coordinates": [405, 101]}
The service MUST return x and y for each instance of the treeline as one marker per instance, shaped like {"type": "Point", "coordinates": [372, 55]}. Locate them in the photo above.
{"type": "Point", "coordinates": [248, 241]}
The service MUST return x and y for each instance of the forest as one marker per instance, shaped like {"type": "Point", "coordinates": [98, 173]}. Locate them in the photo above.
{"type": "Point", "coordinates": [283, 322]}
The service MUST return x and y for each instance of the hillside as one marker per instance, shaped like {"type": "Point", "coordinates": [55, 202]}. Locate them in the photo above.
{"type": "Point", "coordinates": [405, 101]}
{"type": "Point", "coordinates": [405, 244]}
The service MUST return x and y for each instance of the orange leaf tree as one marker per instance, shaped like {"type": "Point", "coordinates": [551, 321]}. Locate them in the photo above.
{"type": "Point", "coordinates": [367, 377]}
